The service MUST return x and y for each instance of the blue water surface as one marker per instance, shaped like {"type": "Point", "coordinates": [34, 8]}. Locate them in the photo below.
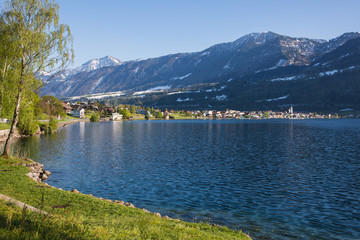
{"type": "Point", "coordinates": [274, 179]}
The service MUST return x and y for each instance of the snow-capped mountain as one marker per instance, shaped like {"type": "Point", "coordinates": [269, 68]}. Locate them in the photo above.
{"type": "Point", "coordinates": [97, 63]}
{"type": "Point", "coordinates": [251, 54]}
{"type": "Point", "coordinates": [89, 66]}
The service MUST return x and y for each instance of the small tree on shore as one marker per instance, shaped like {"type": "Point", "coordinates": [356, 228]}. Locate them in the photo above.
{"type": "Point", "coordinates": [158, 114]}
{"type": "Point", "coordinates": [38, 44]}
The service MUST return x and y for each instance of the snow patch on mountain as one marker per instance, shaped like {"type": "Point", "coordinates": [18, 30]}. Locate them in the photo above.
{"type": "Point", "coordinates": [285, 79]}
{"type": "Point", "coordinates": [277, 99]}
{"type": "Point", "coordinates": [182, 77]}
{"type": "Point", "coordinates": [221, 97]}
{"type": "Point", "coordinates": [99, 95]}
{"type": "Point", "coordinates": [184, 100]}
{"type": "Point", "coordinates": [159, 88]}
{"type": "Point", "coordinates": [332, 72]}
{"type": "Point", "coordinates": [153, 90]}
{"type": "Point", "coordinates": [273, 99]}
{"type": "Point", "coordinates": [282, 62]}
{"type": "Point", "coordinates": [227, 66]}
{"type": "Point", "coordinates": [136, 70]}
{"type": "Point", "coordinates": [328, 73]}
{"type": "Point", "coordinates": [97, 83]}
{"type": "Point", "coordinates": [205, 54]}
{"type": "Point", "coordinates": [67, 89]}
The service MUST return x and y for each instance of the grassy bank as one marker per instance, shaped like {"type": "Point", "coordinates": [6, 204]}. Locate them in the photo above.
{"type": "Point", "coordinates": [4, 126]}
{"type": "Point", "coordinates": [80, 216]}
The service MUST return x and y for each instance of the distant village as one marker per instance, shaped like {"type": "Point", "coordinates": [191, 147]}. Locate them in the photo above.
{"type": "Point", "coordinates": [80, 110]}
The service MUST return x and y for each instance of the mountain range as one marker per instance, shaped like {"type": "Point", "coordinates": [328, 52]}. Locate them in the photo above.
{"type": "Point", "coordinates": [257, 71]}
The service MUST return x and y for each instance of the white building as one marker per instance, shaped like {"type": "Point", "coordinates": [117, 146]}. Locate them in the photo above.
{"type": "Point", "coordinates": [116, 116]}
{"type": "Point", "coordinates": [80, 113]}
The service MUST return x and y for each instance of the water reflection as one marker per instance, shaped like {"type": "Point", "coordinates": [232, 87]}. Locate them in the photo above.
{"type": "Point", "coordinates": [274, 179]}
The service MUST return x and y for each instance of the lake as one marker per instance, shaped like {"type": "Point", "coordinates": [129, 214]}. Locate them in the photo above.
{"type": "Point", "coordinates": [274, 179]}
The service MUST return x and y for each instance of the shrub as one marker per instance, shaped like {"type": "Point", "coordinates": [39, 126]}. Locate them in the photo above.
{"type": "Point", "coordinates": [94, 118]}
{"type": "Point", "coordinates": [27, 124]}
{"type": "Point", "coordinates": [50, 126]}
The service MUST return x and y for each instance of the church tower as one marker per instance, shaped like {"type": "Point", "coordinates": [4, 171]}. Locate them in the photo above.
{"type": "Point", "coordinates": [291, 109]}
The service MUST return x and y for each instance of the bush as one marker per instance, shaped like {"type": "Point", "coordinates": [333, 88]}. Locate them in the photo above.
{"type": "Point", "coordinates": [27, 124]}
{"type": "Point", "coordinates": [53, 124]}
{"type": "Point", "coordinates": [50, 126]}
{"type": "Point", "coordinates": [158, 114]}
{"type": "Point", "coordinates": [94, 118]}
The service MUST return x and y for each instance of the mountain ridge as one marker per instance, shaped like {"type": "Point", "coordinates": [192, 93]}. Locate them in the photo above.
{"type": "Point", "coordinates": [249, 54]}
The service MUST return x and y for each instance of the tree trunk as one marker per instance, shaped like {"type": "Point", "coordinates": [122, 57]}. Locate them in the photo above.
{"type": "Point", "coordinates": [6, 152]}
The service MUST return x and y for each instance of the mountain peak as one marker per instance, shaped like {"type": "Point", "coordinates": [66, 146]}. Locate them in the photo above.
{"type": "Point", "coordinates": [97, 63]}
{"type": "Point", "coordinates": [255, 38]}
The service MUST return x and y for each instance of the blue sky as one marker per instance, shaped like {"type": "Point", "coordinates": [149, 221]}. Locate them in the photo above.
{"type": "Point", "coordinates": [133, 29]}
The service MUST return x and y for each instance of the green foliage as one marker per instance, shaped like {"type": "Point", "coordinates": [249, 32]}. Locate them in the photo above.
{"type": "Point", "coordinates": [50, 126]}
{"type": "Point", "coordinates": [147, 117]}
{"type": "Point", "coordinates": [133, 109]}
{"type": "Point", "coordinates": [158, 114]}
{"type": "Point", "coordinates": [51, 106]}
{"type": "Point", "coordinates": [53, 124]}
{"type": "Point", "coordinates": [94, 118]}
{"type": "Point", "coordinates": [43, 116]}
{"type": "Point", "coordinates": [266, 114]}
{"type": "Point", "coordinates": [32, 42]}
{"type": "Point", "coordinates": [27, 123]}
{"type": "Point", "coordinates": [126, 113]}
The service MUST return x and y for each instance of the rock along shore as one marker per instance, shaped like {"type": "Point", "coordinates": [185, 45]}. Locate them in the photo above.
{"type": "Point", "coordinates": [38, 174]}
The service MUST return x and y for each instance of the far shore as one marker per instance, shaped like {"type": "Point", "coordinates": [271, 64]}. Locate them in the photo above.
{"type": "Point", "coordinates": [4, 133]}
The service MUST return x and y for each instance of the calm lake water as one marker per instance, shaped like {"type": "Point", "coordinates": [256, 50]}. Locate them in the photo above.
{"type": "Point", "coordinates": [274, 179]}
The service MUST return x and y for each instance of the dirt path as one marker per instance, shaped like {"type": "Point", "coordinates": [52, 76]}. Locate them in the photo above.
{"type": "Point", "coordinates": [21, 204]}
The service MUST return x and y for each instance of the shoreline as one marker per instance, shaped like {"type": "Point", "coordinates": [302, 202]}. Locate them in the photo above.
{"type": "Point", "coordinates": [38, 174]}
{"type": "Point", "coordinates": [4, 133]}
{"type": "Point", "coordinates": [71, 214]}
{"type": "Point", "coordinates": [70, 122]}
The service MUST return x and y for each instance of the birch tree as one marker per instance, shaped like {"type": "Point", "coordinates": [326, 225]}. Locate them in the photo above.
{"type": "Point", "coordinates": [38, 44]}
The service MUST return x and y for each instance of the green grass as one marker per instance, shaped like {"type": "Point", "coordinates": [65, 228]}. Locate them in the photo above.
{"type": "Point", "coordinates": [4, 126]}
{"type": "Point", "coordinates": [181, 116]}
{"type": "Point", "coordinates": [84, 216]}
{"type": "Point", "coordinates": [68, 117]}
{"type": "Point", "coordinates": [138, 116]}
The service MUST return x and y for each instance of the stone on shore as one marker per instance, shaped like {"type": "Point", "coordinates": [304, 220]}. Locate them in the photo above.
{"type": "Point", "coordinates": [145, 210]}
{"type": "Point", "coordinates": [36, 171]}
{"type": "Point", "coordinates": [43, 176]}
{"type": "Point", "coordinates": [129, 205]}
{"type": "Point", "coordinates": [75, 191]}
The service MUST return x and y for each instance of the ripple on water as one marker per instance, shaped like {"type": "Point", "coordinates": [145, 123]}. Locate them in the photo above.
{"type": "Point", "coordinates": [274, 179]}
